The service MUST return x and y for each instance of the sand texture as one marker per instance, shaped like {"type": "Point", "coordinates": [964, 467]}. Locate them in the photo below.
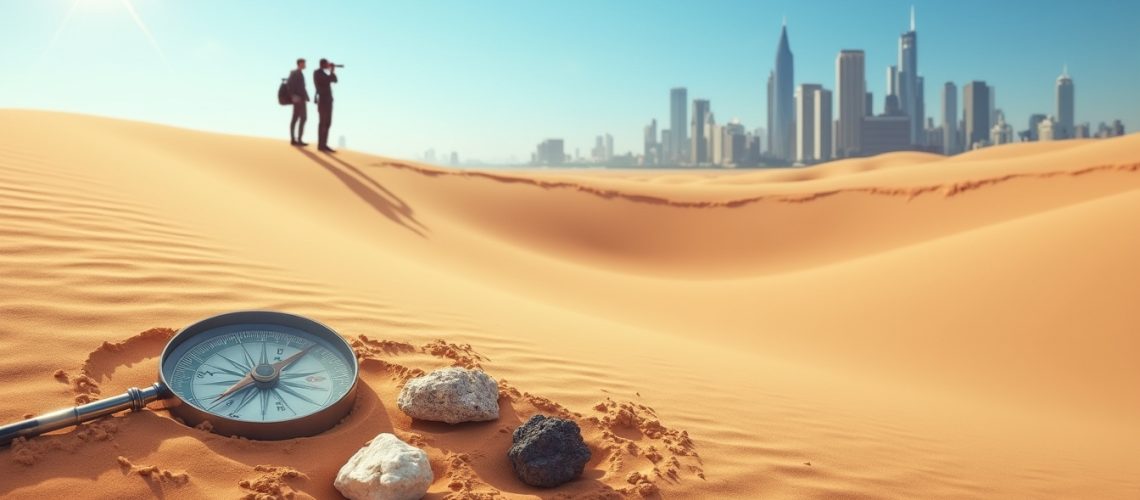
{"type": "Point", "coordinates": [904, 326]}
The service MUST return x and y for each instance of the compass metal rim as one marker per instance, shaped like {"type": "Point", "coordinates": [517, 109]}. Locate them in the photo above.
{"type": "Point", "coordinates": [307, 425]}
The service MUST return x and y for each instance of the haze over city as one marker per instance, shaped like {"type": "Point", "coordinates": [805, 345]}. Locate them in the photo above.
{"type": "Point", "coordinates": [491, 80]}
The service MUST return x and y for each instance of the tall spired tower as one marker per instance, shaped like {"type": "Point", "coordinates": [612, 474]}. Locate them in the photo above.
{"type": "Point", "coordinates": [781, 111]}
{"type": "Point", "coordinates": [910, 94]}
{"type": "Point", "coordinates": [1065, 96]}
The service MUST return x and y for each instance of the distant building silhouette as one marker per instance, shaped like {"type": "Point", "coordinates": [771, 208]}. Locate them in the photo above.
{"type": "Point", "coordinates": [699, 147]}
{"type": "Point", "coordinates": [885, 133]}
{"type": "Point", "coordinates": [824, 130]}
{"type": "Point", "coordinates": [909, 83]}
{"type": "Point", "coordinates": [714, 137]}
{"type": "Point", "coordinates": [975, 101]}
{"type": "Point", "coordinates": [652, 149]}
{"type": "Point", "coordinates": [735, 144]}
{"type": "Point", "coordinates": [678, 125]}
{"type": "Point", "coordinates": [782, 103]}
{"type": "Point", "coordinates": [550, 152]}
{"type": "Point", "coordinates": [992, 106]}
{"type": "Point", "coordinates": [850, 91]}
{"type": "Point", "coordinates": [950, 119]}
{"type": "Point", "coordinates": [813, 123]}
{"type": "Point", "coordinates": [454, 158]}
{"type": "Point", "coordinates": [1082, 131]}
{"type": "Point", "coordinates": [1065, 108]}
{"type": "Point", "coordinates": [1046, 129]}
{"type": "Point", "coordinates": [1002, 132]}
{"type": "Point", "coordinates": [1034, 120]}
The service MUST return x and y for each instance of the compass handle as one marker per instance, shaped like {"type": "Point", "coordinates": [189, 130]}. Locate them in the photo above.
{"type": "Point", "coordinates": [134, 399]}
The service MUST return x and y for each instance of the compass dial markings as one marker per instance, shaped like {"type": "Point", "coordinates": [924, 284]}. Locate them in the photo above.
{"type": "Point", "coordinates": [247, 356]}
{"type": "Point", "coordinates": [297, 395]}
{"type": "Point", "coordinates": [310, 371]}
{"type": "Point", "coordinates": [282, 400]}
{"type": "Point", "coordinates": [235, 363]}
{"type": "Point", "coordinates": [224, 370]}
{"type": "Point", "coordinates": [295, 385]}
{"type": "Point", "coordinates": [290, 376]}
{"type": "Point", "coordinates": [249, 395]}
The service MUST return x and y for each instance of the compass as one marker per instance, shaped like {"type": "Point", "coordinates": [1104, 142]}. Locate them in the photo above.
{"type": "Point", "coordinates": [257, 374]}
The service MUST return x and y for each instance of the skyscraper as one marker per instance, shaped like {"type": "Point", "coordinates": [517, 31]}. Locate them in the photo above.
{"type": "Point", "coordinates": [993, 104]}
{"type": "Point", "coordinates": [678, 124]}
{"type": "Point", "coordinates": [823, 125]}
{"type": "Point", "coordinates": [1047, 129]}
{"type": "Point", "coordinates": [1065, 94]}
{"type": "Point", "coordinates": [782, 108]}
{"type": "Point", "coordinates": [908, 82]}
{"type": "Point", "coordinates": [850, 85]}
{"type": "Point", "coordinates": [806, 137]}
{"type": "Point", "coordinates": [1001, 133]}
{"type": "Point", "coordinates": [976, 104]}
{"type": "Point", "coordinates": [949, 119]}
{"type": "Point", "coordinates": [771, 114]}
{"type": "Point", "coordinates": [892, 80]}
{"type": "Point", "coordinates": [919, 114]}
{"type": "Point", "coordinates": [1034, 120]}
{"type": "Point", "coordinates": [699, 148]}
{"type": "Point", "coordinates": [609, 147]}
{"type": "Point", "coordinates": [650, 140]}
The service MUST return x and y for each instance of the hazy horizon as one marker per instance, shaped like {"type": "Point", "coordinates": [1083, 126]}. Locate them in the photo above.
{"type": "Point", "coordinates": [492, 80]}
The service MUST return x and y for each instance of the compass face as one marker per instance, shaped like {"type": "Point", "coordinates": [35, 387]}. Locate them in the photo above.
{"type": "Point", "coordinates": [234, 370]}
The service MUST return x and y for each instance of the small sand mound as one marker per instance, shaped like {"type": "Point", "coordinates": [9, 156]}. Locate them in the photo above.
{"type": "Point", "coordinates": [273, 484]}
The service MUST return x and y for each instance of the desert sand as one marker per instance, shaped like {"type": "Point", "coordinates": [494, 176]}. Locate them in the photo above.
{"type": "Point", "coordinates": [903, 326]}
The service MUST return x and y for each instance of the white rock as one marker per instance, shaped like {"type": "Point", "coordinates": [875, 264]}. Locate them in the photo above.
{"type": "Point", "coordinates": [451, 395]}
{"type": "Point", "coordinates": [386, 469]}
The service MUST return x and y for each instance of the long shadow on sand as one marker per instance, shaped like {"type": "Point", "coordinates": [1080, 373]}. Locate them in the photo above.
{"type": "Point", "coordinates": [382, 199]}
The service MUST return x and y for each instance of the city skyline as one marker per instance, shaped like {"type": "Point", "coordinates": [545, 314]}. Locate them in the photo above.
{"type": "Point", "coordinates": [480, 92]}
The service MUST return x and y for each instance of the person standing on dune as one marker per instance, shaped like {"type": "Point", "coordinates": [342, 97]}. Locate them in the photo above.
{"type": "Point", "coordinates": [296, 86]}
{"type": "Point", "coordinates": [323, 79]}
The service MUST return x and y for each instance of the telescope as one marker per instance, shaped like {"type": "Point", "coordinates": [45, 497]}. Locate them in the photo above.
{"type": "Point", "coordinates": [337, 65]}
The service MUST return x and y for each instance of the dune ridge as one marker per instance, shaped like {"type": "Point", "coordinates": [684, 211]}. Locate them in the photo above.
{"type": "Point", "coordinates": [947, 190]}
{"type": "Point", "coordinates": [919, 327]}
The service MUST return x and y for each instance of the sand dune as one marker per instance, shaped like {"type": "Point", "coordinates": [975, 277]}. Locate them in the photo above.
{"type": "Point", "coordinates": [904, 326]}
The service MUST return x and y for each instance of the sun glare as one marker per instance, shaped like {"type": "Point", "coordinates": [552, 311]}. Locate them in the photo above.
{"type": "Point", "coordinates": [125, 5]}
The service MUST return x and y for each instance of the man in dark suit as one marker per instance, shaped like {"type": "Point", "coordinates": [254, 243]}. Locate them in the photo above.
{"type": "Point", "coordinates": [300, 95]}
{"type": "Point", "coordinates": [323, 79]}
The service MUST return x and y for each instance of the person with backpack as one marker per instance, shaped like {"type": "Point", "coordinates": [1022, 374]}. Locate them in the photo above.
{"type": "Point", "coordinates": [300, 97]}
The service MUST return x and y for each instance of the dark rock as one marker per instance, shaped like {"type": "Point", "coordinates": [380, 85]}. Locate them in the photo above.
{"type": "Point", "coordinates": [548, 451]}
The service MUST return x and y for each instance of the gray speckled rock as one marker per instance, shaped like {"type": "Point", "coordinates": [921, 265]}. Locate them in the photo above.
{"type": "Point", "coordinates": [548, 451]}
{"type": "Point", "coordinates": [451, 395]}
{"type": "Point", "coordinates": [386, 469]}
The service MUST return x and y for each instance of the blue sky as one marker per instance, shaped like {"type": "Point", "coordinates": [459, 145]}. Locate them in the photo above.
{"type": "Point", "coordinates": [492, 78]}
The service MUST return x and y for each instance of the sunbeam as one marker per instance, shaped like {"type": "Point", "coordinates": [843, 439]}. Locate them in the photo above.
{"type": "Point", "coordinates": [146, 32]}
